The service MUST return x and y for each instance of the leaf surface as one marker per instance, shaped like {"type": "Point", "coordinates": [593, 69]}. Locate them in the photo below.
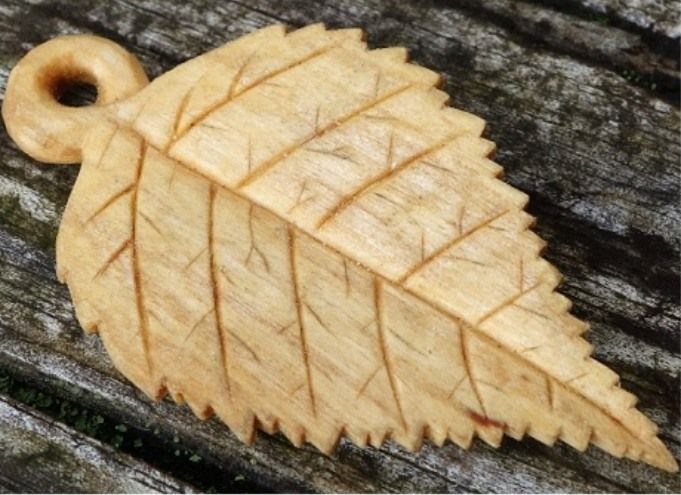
{"type": "Point", "coordinates": [298, 234]}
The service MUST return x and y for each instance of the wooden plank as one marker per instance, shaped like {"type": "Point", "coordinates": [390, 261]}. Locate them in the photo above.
{"type": "Point", "coordinates": [596, 154]}
{"type": "Point", "coordinates": [36, 453]}
{"type": "Point", "coordinates": [658, 16]}
{"type": "Point", "coordinates": [646, 63]}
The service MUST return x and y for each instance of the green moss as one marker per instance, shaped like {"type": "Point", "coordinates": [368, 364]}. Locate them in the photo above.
{"type": "Point", "coordinates": [167, 453]}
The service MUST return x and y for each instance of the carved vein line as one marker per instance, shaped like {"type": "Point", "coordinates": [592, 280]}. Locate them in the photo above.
{"type": "Point", "coordinates": [213, 272]}
{"type": "Point", "coordinates": [243, 344]}
{"type": "Point", "coordinates": [231, 94]}
{"type": "Point", "coordinates": [180, 112]}
{"type": "Point", "coordinates": [387, 173]}
{"type": "Point", "coordinates": [408, 344]}
{"type": "Point", "coordinates": [106, 146]}
{"type": "Point", "coordinates": [506, 304]}
{"type": "Point", "coordinates": [318, 318]}
{"type": "Point", "coordinates": [456, 387]}
{"type": "Point", "coordinates": [115, 197]}
{"type": "Point", "coordinates": [465, 358]}
{"type": "Point", "coordinates": [197, 325]}
{"type": "Point", "coordinates": [151, 223]}
{"type": "Point", "coordinates": [367, 382]}
{"type": "Point", "coordinates": [346, 277]}
{"type": "Point", "coordinates": [385, 355]}
{"type": "Point", "coordinates": [445, 311]}
{"type": "Point", "coordinates": [136, 269]}
{"type": "Point", "coordinates": [299, 311]}
{"type": "Point", "coordinates": [194, 259]}
{"type": "Point", "coordinates": [268, 164]}
{"type": "Point", "coordinates": [447, 246]}
{"type": "Point", "coordinates": [113, 257]}
{"type": "Point", "coordinates": [254, 248]}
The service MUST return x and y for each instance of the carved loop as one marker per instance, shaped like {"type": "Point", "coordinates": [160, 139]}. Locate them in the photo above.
{"type": "Point", "coordinates": [37, 121]}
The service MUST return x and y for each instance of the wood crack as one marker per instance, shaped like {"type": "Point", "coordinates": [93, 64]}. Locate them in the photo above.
{"type": "Point", "coordinates": [270, 163]}
{"type": "Point", "coordinates": [213, 273]}
{"type": "Point", "coordinates": [387, 173]}
{"type": "Point", "coordinates": [299, 311]}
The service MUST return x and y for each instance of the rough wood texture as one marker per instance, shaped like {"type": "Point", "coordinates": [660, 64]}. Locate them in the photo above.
{"type": "Point", "coordinates": [35, 452]}
{"type": "Point", "coordinates": [299, 235]}
{"type": "Point", "coordinates": [581, 109]}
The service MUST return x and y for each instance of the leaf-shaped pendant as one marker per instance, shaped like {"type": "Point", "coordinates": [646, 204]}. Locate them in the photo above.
{"type": "Point", "coordinates": [297, 234]}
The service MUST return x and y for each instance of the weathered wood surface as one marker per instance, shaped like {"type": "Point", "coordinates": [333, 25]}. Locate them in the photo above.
{"type": "Point", "coordinates": [31, 443]}
{"type": "Point", "coordinates": [658, 16]}
{"type": "Point", "coordinates": [597, 151]}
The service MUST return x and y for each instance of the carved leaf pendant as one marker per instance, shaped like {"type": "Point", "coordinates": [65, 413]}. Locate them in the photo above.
{"type": "Point", "coordinates": [297, 234]}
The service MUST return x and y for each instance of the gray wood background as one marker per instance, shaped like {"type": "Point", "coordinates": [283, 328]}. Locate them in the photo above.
{"type": "Point", "coordinates": [582, 98]}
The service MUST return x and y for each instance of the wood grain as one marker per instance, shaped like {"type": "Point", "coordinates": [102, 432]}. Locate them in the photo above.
{"type": "Point", "coordinates": [32, 442]}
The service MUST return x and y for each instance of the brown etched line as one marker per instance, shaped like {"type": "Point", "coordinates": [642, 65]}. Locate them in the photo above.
{"type": "Point", "coordinates": [194, 259]}
{"type": "Point", "coordinates": [450, 396]}
{"type": "Point", "coordinates": [240, 74]}
{"type": "Point", "coordinates": [268, 164]}
{"type": "Point", "coordinates": [532, 311]}
{"type": "Point", "coordinates": [230, 97]}
{"type": "Point", "coordinates": [254, 248]}
{"type": "Point", "coordinates": [180, 112]}
{"type": "Point", "coordinates": [115, 197]}
{"type": "Point", "coordinates": [383, 347]}
{"type": "Point", "coordinates": [462, 212]}
{"type": "Point", "coordinates": [318, 318]}
{"type": "Point", "coordinates": [340, 152]}
{"type": "Point", "coordinates": [447, 246]}
{"type": "Point", "coordinates": [113, 257]}
{"type": "Point", "coordinates": [446, 312]}
{"type": "Point", "coordinates": [197, 324]}
{"type": "Point", "coordinates": [575, 378]}
{"type": "Point", "coordinates": [346, 277]}
{"type": "Point", "coordinates": [391, 150]}
{"type": "Point", "coordinates": [299, 311]}
{"type": "Point", "coordinates": [388, 172]}
{"type": "Point", "coordinates": [106, 147]}
{"type": "Point", "coordinates": [297, 203]}
{"type": "Point", "coordinates": [151, 223]}
{"type": "Point", "coordinates": [408, 344]}
{"type": "Point", "coordinates": [506, 304]}
{"type": "Point", "coordinates": [243, 344]}
{"type": "Point", "coordinates": [213, 269]}
{"type": "Point", "coordinates": [367, 382]}
{"type": "Point", "coordinates": [465, 358]}
{"type": "Point", "coordinates": [137, 272]}
{"type": "Point", "coordinates": [550, 397]}
{"type": "Point", "coordinates": [468, 260]}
